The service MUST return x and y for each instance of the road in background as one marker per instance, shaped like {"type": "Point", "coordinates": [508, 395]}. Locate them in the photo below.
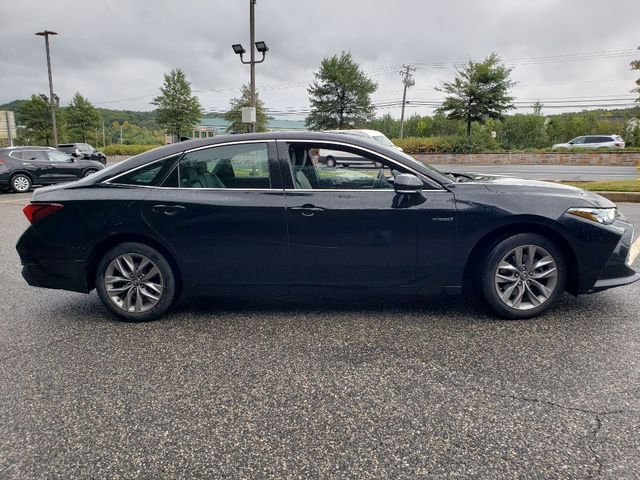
{"type": "Point", "coordinates": [549, 172]}
{"type": "Point", "coordinates": [346, 386]}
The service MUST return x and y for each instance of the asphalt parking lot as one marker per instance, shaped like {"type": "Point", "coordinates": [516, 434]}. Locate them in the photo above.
{"type": "Point", "coordinates": [314, 387]}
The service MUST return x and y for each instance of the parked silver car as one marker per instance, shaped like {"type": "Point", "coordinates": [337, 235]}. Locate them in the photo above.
{"type": "Point", "coordinates": [593, 141]}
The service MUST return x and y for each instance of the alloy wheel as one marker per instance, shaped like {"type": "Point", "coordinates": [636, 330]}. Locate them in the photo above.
{"type": "Point", "coordinates": [21, 183]}
{"type": "Point", "coordinates": [526, 277]}
{"type": "Point", "coordinates": [133, 282]}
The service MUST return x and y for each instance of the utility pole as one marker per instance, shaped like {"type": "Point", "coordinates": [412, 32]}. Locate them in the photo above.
{"type": "Point", "coordinates": [408, 82]}
{"type": "Point", "coordinates": [104, 138]}
{"type": "Point", "coordinates": [46, 34]}
{"type": "Point", "coordinates": [121, 134]}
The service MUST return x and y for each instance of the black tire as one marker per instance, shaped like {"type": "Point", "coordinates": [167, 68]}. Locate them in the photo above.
{"type": "Point", "coordinates": [489, 284]}
{"type": "Point", "coordinates": [89, 171]}
{"type": "Point", "coordinates": [20, 183]}
{"type": "Point", "coordinates": [166, 276]}
{"type": "Point", "coordinates": [330, 162]}
{"type": "Point", "coordinates": [103, 161]}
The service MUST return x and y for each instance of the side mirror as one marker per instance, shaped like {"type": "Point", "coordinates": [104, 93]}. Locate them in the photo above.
{"type": "Point", "coordinates": [407, 183]}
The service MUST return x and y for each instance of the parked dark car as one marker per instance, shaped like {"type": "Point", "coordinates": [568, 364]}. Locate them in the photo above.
{"type": "Point", "coordinates": [84, 151]}
{"type": "Point", "coordinates": [23, 167]}
{"type": "Point", "coordinates": [256, 213]}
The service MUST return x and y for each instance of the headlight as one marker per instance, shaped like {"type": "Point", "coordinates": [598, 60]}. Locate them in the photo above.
{"type": "Point", "coordinates": [605, 216]}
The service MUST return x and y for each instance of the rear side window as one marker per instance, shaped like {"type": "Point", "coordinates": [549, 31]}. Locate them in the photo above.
{"type": "Point", "coordinates": [241, 166]}
{"type": "Point", "coordinates": [148, 176]}
{"type": "Point", "coordinates": [34, 155]}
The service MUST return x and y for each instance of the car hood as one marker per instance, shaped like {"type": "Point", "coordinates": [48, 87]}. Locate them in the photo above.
{"type": "Point", "coordinates": [510, 185]}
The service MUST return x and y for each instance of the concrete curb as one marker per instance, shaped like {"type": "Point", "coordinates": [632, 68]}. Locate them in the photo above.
{"type": "Point", "coordinates": [632, 197]}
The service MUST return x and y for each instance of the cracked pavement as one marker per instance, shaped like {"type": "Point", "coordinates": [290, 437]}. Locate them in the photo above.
{"type": "Point", "coordinates": [336, 387]}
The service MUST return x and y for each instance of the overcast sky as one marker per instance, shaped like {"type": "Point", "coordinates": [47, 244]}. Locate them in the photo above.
{"type": "Point", "coordinates": [115, 51]}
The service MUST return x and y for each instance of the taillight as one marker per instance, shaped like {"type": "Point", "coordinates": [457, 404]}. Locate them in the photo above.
{"type": "Point", "coordinates": [37, 211]}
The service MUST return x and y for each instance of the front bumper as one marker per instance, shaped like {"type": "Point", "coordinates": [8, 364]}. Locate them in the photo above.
{"type": "Point", "coordinates": [617, 271]}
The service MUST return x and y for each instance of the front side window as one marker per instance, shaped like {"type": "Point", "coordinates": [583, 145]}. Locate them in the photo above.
{"type": "Point", "coordinates": [56, 156]}
{"type": "Point", "coordinates": [243, 166]}
{"type": "Point", "coordinates": [578, 141]}
{"type": "Point", "coordinates": [323, 167]}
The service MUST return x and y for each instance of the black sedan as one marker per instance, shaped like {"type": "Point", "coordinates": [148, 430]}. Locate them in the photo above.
{"type": "Point", "coordinates": [23, 167]}
{"type": "Point", "coordinates": [258, 213]}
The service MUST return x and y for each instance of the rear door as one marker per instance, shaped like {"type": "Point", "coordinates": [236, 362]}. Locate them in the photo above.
{"type": "Point", "coordinates": [348, 226]}
{"type": "Point", "coordinates": [38, 165]}
{"type": "Point", "coordinates": [222, 211]}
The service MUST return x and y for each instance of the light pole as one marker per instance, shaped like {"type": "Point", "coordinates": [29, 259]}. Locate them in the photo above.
{"type": "Point", "coordinates": [253, 45]}
{"type": "Point", "coordinates": [46, 34]}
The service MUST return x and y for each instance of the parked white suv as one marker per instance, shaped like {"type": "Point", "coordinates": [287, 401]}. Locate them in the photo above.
{"type": "Point", "coordinates": [333, 157]}
{"type": "Point", "coordinates": [593, 141]}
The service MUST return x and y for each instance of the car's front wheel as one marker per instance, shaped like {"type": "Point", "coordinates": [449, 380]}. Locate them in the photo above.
{"type": "Point", "coordinates": [20, 183]}
{"type": "Point", "coordinates": [523, 276]}
{"type": "Point", "coordinates": [89, 171]}
{"type": "Point", "coordinates": [331, 162]}
{"type": "Point", "coordinates": [135, 282]}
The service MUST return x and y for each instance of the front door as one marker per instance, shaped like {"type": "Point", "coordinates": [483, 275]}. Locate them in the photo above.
{"type": "Point", "coordinates": [348, 226]}
{"type": "Point", "coordinates": [222, 212]}
{"type": "Point", "coordinates": [65, 167]}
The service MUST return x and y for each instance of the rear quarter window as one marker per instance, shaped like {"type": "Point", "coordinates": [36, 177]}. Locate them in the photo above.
{"type": "Point", "coordinates": [151, 175]}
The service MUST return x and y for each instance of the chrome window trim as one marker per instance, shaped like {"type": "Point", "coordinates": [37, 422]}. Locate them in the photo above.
{"type": "Point", "coordinates": [431, 182]}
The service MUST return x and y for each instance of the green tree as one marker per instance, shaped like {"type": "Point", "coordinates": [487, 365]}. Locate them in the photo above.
{"type": "Point", "coordinates": [340, 94]}
{"type": "Point", "coordinates": [234, 115]}
{"type": "Point", "coordinates": [82, 118]}
{"type": "Point", "coordinates": [36, 116]}
{"type": "Point", "coordinates": [635, 65]}
{"type": "Point", "coordinates": [178, 110]}
{"type": "Point", "coordinates": [480, 91]}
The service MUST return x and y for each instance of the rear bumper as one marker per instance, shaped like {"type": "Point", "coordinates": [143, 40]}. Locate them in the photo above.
{"type": "Point", "coordinates": [48, 266]}
{"type": "Point", "coordinates": [57, 275]}
{"type": "Point", "coordinates": [617, 272]}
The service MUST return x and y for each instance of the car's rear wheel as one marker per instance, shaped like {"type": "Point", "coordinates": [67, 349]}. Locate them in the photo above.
{"type": "Point", "coordinates": [20, 183]}
{"type": "Point", "coordinates": [523, 276]}
{"type": "Point", "coordinates": [135, 282]}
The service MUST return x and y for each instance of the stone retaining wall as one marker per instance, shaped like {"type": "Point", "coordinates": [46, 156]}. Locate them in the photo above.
{"type": "Point", "coordinates": [592, 158]}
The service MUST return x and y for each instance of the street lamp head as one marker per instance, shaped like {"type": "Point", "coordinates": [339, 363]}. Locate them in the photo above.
{"type": "Point", "coordinates": [46, 32]}
{"type": "Point", "coordinates": [262, 47]}
{"type": "Point", "coordinates": [44, 97]}
{"type": "Point", "coordinates": [238, 49]}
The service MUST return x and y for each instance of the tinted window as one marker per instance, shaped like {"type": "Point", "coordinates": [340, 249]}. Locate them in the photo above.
{"type": "Point", "coordinates": [227, 166]}
{"type": "Point", "coordinates": [150, 175]}
{"type": "Point", "coordinates": [604, 139]}
{"type": "Point", "coordinates": [34, 155]}
{"type": "Point", "coordinates": [339, 168]}
{"type": "Point", "coordinates": [56, 156]}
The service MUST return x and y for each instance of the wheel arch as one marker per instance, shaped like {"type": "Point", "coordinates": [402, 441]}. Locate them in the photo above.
{"type": "Point", "coordinates": [482, 247]}
{"type": "Point", "coordinates": [108, 243]}
{"type": "Point", "coordinates": [21, 172]}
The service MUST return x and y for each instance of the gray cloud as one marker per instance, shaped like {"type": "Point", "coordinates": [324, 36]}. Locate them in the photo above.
{"type": "Point", "coordinates": [115, 51]}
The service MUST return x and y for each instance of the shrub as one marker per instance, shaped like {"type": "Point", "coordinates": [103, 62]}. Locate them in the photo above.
{"type": "Point", "coordinates": [448, 144]}
{"type": "Point", "coordinates": [127, 150]}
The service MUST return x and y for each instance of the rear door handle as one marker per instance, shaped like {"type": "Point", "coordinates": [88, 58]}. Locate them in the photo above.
{"type": "Point", "coordinates": [169, 210]}
{"type": "Point", "coordinates": [308, 210]}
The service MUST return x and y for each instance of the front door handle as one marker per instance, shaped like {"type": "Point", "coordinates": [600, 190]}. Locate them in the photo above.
{"type": "Point", "coordinates": [169, 210]}
{"type": "Point", "coordinates": [307, 209]}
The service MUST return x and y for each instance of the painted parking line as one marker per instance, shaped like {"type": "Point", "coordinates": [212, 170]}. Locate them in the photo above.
{"type": "Point", "coordinates": [635, 251]}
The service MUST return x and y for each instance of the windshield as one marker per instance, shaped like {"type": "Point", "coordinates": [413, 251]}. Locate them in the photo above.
{"type": "Point", "coordinates": [57, 156]}
{"type": "Point", "coordinates": [87, 148]}
{"type": "Point", "coordinates": [383, 140]}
